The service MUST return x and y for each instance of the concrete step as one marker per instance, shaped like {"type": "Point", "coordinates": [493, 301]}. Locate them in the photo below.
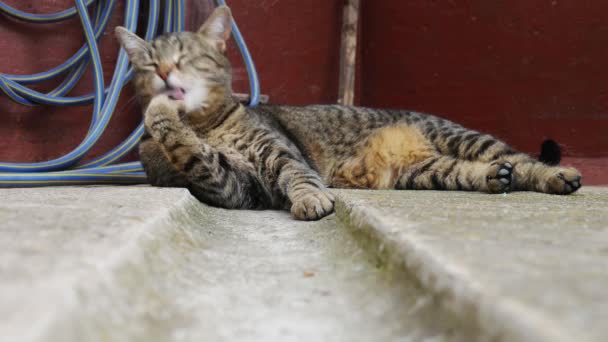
{"type": "Point", "coordinates": [152, 264]}
{"type": "Point", "coordinates": [78, 263]}
{"type": "Point", "coordinates": [515, 267]}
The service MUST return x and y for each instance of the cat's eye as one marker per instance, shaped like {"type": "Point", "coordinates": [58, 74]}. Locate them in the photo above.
{"type": "Point", "coordinates": [151, 65]}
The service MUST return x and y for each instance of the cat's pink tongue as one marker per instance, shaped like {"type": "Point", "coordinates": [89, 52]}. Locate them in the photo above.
{"type": "Point", "coordinates": [176, 94]}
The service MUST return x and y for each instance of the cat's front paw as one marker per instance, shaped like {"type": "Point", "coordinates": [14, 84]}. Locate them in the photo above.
{"type": "Point", "coordinates": [499, 177]}
{"type": "Point", "coordinates": [563, 181]}
{"type": "Point", "coordinates": [313, 205]}
{"type": "Point", "coordinates": [161, 109]}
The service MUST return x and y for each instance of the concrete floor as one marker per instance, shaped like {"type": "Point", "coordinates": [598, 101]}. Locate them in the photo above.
{"type": "Point", "coordinates": [520, 266]}
{"type": "Point", "coordinates": [150, 264]}
{"type": "Point", "coordinates": [141, 263]}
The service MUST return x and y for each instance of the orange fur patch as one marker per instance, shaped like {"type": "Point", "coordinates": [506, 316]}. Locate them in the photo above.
{"type": "Point", "coordinates": [315, 153]}
{"type": "Point", "coordinates": [383, 158]}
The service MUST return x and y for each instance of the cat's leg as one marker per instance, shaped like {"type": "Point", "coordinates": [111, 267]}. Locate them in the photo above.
{"type": "Point", "coordinates": [529, 174]}
{"type": "Point", "coordinates": [310, 199]}
{"type": "Point", "coordinates": [448, 173]}
{"type": "Point", "coordinates": [292, 178]}
{"type": "Point", "coordinates": [532, 175]}
{"type": "Point", "coordinates": [159, 170]}
{"type": "Point", "coordinates": [215, 177]}
{"type": "Point", "coordinates": [451, 139]}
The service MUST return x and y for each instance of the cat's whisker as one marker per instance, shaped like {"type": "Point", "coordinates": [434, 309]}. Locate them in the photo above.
{"type": "Point", "coordinates": [128, 103]}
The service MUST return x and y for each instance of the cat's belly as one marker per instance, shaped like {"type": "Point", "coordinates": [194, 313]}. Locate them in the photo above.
{"type": "Point", "coordinates": [380, 160]}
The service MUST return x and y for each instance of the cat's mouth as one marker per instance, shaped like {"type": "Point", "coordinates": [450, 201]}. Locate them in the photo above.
{"type": "Point", "coordinates": [176, 93]}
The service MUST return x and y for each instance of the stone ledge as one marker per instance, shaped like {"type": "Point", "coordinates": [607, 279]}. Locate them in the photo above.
{"type": "Point", "coordinates": [153, 264]}
{"type": "Point", "coordinates": [141, 263]}
{"type": "Point", "coordinates": [518, 267]}
{"type": "Point", "coordinates": [60, 245]}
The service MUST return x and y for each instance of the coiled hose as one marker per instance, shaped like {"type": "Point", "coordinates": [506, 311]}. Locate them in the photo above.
{"type": "Point", "coordinates": [67, 170]}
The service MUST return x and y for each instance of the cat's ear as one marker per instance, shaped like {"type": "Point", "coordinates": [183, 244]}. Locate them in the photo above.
{"type": "Point", "coordinates": [218, 27]}
{"type": "Point", "coordinates": [137, 48]}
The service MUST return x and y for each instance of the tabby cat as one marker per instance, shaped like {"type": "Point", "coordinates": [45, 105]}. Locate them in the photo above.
{"type": "Point", "coordinates": [199, 137]}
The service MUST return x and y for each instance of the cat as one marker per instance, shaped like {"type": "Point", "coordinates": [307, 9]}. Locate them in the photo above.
{"type": "Point", "coordinates": [283, 157]}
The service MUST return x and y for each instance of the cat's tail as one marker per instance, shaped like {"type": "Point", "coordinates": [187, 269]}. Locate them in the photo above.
{"type": "Point", "coordinates": [550, 152]}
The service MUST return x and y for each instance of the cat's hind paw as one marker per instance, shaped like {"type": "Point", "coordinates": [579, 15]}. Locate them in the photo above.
{"type": "Point", "coordinates": [500, 177]}
{"type": "Point", "coordinates": [563, 181]}
{"type": "Point", "coordinates": [313, 205]}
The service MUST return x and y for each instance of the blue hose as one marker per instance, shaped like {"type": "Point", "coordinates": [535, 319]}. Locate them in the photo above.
{"type": "Point", "coordinates": [254, 82]}
{"type": "Point", "coordinates": [65, 170]}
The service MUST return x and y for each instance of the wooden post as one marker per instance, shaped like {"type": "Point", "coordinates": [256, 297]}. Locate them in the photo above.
{"type": "Point", "coordinates": [348, 53]}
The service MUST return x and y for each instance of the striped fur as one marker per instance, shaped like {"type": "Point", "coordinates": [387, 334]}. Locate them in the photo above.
{"type": "Point", "coordinates": [286, 157]}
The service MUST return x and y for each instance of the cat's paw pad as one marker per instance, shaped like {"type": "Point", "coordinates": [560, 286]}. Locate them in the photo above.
{"type": "Point", "coordinates": [313, 205]}
{"type": "Point", "coordinates": [563, 181]}
{"type": "Point", "coordinates": [500, 177]}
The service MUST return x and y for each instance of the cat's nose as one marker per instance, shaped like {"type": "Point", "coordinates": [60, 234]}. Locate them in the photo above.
{"type": "Point", "coordinates": [170, 82]}
{"type": "Point", "coordinates": [164, 70]}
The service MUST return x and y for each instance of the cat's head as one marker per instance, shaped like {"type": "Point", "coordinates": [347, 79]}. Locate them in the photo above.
{"type": "Point", "coordinates": [187, 66]}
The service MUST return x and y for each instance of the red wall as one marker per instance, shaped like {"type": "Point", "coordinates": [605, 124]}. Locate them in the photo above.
{"type": "Point", "coordinates": [524, 70]}
{"type": "Point", "coordinates": [295, 47]}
